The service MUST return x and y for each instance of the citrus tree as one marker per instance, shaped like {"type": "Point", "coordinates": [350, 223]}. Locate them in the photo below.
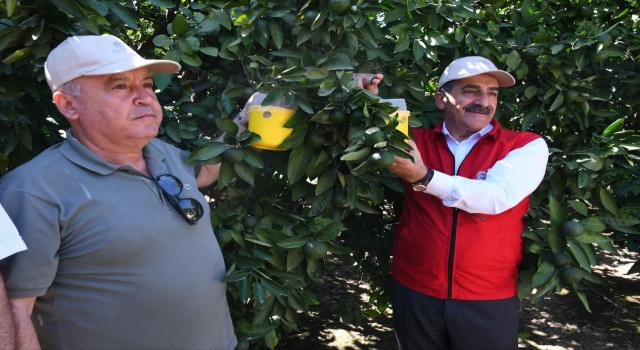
{"type": "Point", "coordinates": [278, 214]}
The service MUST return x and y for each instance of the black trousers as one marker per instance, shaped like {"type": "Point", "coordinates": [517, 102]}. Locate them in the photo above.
{"type": "Point", "coordinates": [423, 323]}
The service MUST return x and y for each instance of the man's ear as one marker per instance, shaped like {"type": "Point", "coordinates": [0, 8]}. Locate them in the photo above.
{"type": "Point", "coordinates": [66, 105]}
{"type": "Point", "coordinates": [441, 99]}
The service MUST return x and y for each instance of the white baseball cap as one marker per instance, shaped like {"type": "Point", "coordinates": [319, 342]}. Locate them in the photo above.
{"type": "Point", "coordinates": [465, 67]}
{"type": "Point", "coordinates": [97, 55]}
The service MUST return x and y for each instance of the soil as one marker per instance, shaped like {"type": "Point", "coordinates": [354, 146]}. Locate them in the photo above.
{"type": "Point", "coordinates": [558, 322]}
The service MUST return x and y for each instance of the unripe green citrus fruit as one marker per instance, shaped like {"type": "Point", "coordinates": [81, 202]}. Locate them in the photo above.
{"type": "Point", "coordinates": [339, 7]}
{"type": "Point", "coordinates": [310, 16]}
{"type": "Point", "coordinates": [338, 116]}
{"type": "Point", "coordinates": [224, 236]}
{"type": "Point", "coordinates": [249, 221]}
{"type": "Point", "coordinates": [356, 116]}
{"type": "Point", "coordinates": [370, 139]}
{"type": "Point", "coordinates": [314, 139]}
{"type": "Point", "coordinates": [315, 249]}
{"type": "Point", "coordinates": [570, 275]}
{"type": "Point", "coordinates": [561, 259]}
{"type": "Point", "coordinates": [382, 160]}
{"type": "Point", "coordinates": [572, 228]}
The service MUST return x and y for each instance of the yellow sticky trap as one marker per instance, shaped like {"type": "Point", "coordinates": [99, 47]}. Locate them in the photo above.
{"type": "Point", "coordinates": [403, 121]}
{"type": "Point", "coordinates": [402, 114]}
{"type": "Point", "coordinates": [268, 122]}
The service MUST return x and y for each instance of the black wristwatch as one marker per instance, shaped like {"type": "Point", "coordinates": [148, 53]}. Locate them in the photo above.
{"type": "Point", "coordinates": [421, 185]}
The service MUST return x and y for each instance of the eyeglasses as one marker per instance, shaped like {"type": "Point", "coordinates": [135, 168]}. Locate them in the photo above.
{"type": "Point", "coordinates": [190, 209]}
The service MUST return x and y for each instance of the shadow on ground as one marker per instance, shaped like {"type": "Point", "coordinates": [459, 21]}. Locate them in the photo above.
{"type": "Point", "coordinates": [559, 322]}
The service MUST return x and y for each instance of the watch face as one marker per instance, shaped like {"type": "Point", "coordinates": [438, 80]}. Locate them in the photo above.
{"type": "Point", "coordinates": [419, 188]}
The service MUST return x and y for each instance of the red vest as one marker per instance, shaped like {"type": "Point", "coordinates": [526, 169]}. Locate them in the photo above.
{"type": "Point", "coordinates": [446, 252]}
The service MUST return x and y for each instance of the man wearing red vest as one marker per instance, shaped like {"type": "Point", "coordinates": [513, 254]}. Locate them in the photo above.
{"type": "Point", "coordinates": [458, 242]}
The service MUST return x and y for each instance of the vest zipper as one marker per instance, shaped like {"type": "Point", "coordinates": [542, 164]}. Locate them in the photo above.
{"type": "Point", "coordinates": [454, 224]}
{"type": "Point", "coordinates": [452, 249]}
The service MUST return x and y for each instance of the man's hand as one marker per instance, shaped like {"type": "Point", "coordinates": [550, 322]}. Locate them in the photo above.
{"type": "Point", "coordinates": [406, 169]}
{"type": "Point", "coordinates": [368, 81]}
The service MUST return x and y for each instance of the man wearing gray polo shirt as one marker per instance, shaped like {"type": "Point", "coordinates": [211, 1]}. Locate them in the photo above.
{"type": "Point", "coordinates": [121, 253]}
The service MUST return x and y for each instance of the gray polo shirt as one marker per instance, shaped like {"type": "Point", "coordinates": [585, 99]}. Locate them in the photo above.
{"type": "Point", "coordinates": [113, 265]}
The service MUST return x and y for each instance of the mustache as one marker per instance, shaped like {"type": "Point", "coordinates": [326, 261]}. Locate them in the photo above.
{"type": "Point", "coordinates": [474, 108]}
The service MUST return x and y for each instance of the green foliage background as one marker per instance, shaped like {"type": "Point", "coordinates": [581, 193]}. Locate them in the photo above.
{"type": "Point", "coordinates": [578, 75]}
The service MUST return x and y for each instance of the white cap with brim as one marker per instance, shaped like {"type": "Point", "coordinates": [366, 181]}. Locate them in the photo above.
{"type": "Point", "coordinates": [97, 55]}
{"type": "Point", "coordinates": [470, 66]}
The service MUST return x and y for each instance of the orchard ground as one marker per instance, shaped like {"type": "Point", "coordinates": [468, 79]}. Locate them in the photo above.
{"type": "Point", "coordinates": [558, 322]}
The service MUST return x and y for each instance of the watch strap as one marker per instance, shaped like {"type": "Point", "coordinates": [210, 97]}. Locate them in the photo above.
{"type": "Point", "coordinates": [426, 179]}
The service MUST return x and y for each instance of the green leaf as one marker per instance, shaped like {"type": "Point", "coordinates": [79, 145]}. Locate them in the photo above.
{"type": "Point", "coordinates": [326, 88]}
{"type": "Point", "coordinates": [513, 60]}
{"type": "Point", "coordinates": [244, 172]}
{"type": "Point", "coordinates": [592, 237]}
{"type": "Point", "coordinates": [167, 4]}
{"type": "Point", "coordinates": [207, 151]}
{"type": "Point", "coordinates": [590, 250]}
{"type": "Point", "coordinates": [271, 339]}
{"type": "Point", "coordinates": [356, 155]}
{"type": "Point", "coordinates": [227, 126]}
{"type": "Point", "coordinates": [259, 292]}
{"type": "Point", "coordinates": [556, 211]}
{"type": "Point", "coordinates": [209, 51]}
{"type": "Point", "coordinates": [593, 224]}
{"type": "Point", "coordinates": [608, 202]}
{"type": "Point", "coordinates": [191, 59]}
{"type": "Point", "coordinates": [226, 175]}
{"type": "Point", "coordinates": [254, 331]}
{"type": "Point", "coordinates": [325, 182]}
{"type": "Point", "coordinates": [557, 240]}
{"type": "Point", "coordinates": [17, 56]}
{"type": "Point", "coordinates": [294, 258]}
{"type": "Point", "coordinates": [530, 91]}
{"type": "Point", "coordinates": [253, 159]}
{"type": "Point", "coordinates": [338, 61]}
{"type": "Point", "coordinates": [273, 286]}
{"type": "Point", "coordinates": [330, 231]}
{"type": "Point", "coordinates": [11, 6]}
{"type": "Point", "coordinates": [299, 161]}
{"type": "Point", "coordinates": [293, 242]}
{"type": "Point", "coordinates": [608, 246]}
{"type": "Point", "coordinates": [546, 288]}
{"type": "Point", "coordinates": [124, 14]}
{"type": "Point", "coordinates": [579, 207]}
{"type": "Point", "coordinates": [582, 297]}
{"type": "Point", "coordinates": [70, 7]}
{"type": "Point", "coordinates": [276, 34]}
{"type": "Point", "coordinates": [402, 44]}
{"type": "Point", "coordinates": [579, 254]}
{"type": "Point", "coordinates": [236, 276]}
{"type": "Point", "coordinates": [613, 127]}
{"type": "Point", "coordinates": [557, 48]}
{"type": "Point", "coordinates": [180, 25]}
{"type": "Point", "coordinates": [244, 290]}
{"type": "Point", "coordinates": [620, 220]}
{"type": "Point", "coordinates": [557, 102]}
{"type": "Point", "coordinates": [543, 274]}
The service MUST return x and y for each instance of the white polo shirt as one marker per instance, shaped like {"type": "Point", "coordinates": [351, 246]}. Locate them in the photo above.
{"type": "Point", "coordinates": [10, 241]}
